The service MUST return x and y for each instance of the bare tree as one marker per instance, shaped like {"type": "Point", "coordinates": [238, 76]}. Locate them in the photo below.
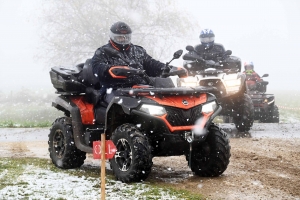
{"type": "Point", "coordinates": [73, 29]}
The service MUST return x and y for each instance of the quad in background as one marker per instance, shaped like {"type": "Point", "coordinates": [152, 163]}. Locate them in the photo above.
{"type": "Point", "coordinates": [230, 83]}
{"type": "Point", "coordinates": [265, 109]}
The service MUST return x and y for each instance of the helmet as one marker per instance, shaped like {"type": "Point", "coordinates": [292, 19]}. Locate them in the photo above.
{"type": "Point", "coordinates": [120, 33]}
{"type": "Point", "coordinates": [207, 37]}
{"type": "Point", "coordinates": [249, 65]}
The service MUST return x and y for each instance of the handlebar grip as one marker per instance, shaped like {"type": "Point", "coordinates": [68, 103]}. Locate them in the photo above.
{"type": "Point", "coordinates": [118, 71]}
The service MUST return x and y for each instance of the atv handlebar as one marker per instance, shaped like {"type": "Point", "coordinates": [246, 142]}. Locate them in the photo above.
{"type": "Point", "coordinates": [193, 55]}
{"type": "Point", "coordinates": [192, 50]}
{"type": "Point", "coordinates": [166, 70]}
{"type": "Point", "coordinates": [135, 69]}
{"type": "Point", "coordinates": [199, 59]}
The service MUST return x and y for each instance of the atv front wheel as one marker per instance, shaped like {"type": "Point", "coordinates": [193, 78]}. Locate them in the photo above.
{"type": "Point", "coordinates": [133, 160]}
{"type": "Point", "coordinates": [272, 116]}
{"type": "Point", "coordinates": [62, 149]}
{"type": "Point", "coordinates": [244, 118]}
{"type": "Point", "coordinates": [211, 157]}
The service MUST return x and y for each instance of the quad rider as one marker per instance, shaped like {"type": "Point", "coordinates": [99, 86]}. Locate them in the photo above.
{"type": "Point", "coordinates": [208, 49]}
{"type": "Point", "coordinates": [252, 78]}
{"type": "Point", "coordinates": [143, 117]}
{"type": "Point", "coordinates": [208, 64]}
{"type": "Point", "coordinates": [120, 40]}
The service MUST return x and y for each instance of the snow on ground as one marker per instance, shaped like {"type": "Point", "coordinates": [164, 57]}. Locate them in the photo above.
{"type": "Point", "coordinates": [36, 183]}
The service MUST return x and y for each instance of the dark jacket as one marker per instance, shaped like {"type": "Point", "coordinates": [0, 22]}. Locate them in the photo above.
{"type": "Point", "coordinates": [137, 55]}
{"type": "Point", "coordinates": [216, 50]}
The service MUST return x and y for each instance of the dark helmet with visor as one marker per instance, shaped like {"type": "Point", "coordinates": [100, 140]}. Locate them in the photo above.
{"type": "Point", "coordinates": [207, 37]}
{"type": "Point", "coordinates": [120, 33]}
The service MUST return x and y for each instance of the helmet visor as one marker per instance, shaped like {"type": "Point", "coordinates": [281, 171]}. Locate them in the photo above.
{"type": "Point", "coordinates": [120, 38]}
{"type": "Point", "coordinates": [207, 39]}
{"type": "Point", "coordinates": [248, 67]}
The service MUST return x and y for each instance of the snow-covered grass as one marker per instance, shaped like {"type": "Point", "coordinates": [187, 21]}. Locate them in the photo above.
{"type": "Point", "coordinates": [33, 178]}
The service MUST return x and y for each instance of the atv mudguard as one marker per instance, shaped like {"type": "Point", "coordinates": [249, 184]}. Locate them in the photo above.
{"type": "Point", "coordinates": [70, 108]}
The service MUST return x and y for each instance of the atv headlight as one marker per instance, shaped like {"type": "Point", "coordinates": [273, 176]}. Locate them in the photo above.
{"type": "Point", "coordinates": [153, 110]}
{"type": "Point", "coordinates": [269, 100]}
{"type": "Point", "coordinates": [209, 107]}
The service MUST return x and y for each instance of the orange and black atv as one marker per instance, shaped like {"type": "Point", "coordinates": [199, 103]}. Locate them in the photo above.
{"type": "Point", "coordinates": [143, 121]}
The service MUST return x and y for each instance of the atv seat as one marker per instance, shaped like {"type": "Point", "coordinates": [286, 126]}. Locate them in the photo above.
{"type": "Point", "coordinates": [88, 77]}
{"type": "Point", "coordinates": [93, 93]}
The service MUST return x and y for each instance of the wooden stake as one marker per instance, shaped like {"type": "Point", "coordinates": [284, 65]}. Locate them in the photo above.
{"type": "Point", "coordinates": [103, 168]}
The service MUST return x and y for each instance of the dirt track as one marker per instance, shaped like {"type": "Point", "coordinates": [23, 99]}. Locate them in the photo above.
{"type": "Point", "coordinates": [260, 168]}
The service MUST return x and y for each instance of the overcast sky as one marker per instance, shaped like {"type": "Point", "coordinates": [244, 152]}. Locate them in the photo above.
{"type": "Point", "coordinates": [266, 32]}
{"type": "Point", "coordinates": [18, 47]}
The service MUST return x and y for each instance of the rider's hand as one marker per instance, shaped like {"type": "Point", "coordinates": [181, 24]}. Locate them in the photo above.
{"type": "Point", "coordinates": [135, 66]}
{"type": "Point", "coordinates": [165, 72]}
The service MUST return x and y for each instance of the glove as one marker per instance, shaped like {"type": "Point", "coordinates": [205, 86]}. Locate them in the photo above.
{"type": "Point", "coordinates": [165, 72]}
{"type": "Point", "coordinates": [135, 66]}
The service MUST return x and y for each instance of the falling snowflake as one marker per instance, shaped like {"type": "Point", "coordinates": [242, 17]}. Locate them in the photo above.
{"type": "Point", "coordinates": [120, 101]}
{"type": "Point", "coordinates": [108, 90]}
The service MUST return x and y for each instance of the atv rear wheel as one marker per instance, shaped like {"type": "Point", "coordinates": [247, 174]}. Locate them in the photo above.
{"type": "Point", "coordinates": [245, 113]}
{"type": "Point", "coordinates": [211, 157]}
{"type": "Point", "coordinates": [62, 149]}
{"type": "Point", "coordinates": [133, 160]}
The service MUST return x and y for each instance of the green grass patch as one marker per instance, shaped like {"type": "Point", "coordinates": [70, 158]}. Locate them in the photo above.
{"type": "Point", "coordinates": [27, 115]}
{"type": "Point", "coordinates": [10, 170]}
{"type": "Point", "coordinates": [156, 190]}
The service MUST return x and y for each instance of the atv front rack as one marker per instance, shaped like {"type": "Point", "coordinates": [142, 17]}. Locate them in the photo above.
{"type": "Point", "coordinates": [195, 91]}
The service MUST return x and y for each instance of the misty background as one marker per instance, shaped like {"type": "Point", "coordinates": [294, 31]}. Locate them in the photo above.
{"type": "Point", "coordinates": [265, 32]}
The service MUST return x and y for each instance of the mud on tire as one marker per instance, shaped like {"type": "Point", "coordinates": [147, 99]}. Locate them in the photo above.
{"type": "Point", "coordinates": [133, 160]}
{"type": "Point", "coordinates": [62, 149]}
{"type": "Point", "coordinates": [211, 157]}
{"type": "Point", "coordinates": [245, 117]}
